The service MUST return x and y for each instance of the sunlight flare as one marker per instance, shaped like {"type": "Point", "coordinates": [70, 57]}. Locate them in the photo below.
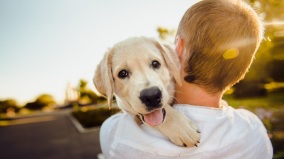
{"type": "Point", "coordinates": [231, 53]}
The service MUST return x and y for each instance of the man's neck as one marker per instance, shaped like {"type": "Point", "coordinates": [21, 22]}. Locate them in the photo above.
{"type": "Point", "coordinates": [194, 95]}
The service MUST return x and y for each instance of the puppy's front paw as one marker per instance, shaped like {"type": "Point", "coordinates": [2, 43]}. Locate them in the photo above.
{"type": "Point", "coordinates": [179, 129]}
{"type": "Point", "coordinates": [185, 135]}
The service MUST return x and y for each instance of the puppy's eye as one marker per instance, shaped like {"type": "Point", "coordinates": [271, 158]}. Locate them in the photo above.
{"type": "Point", "coordinates": [155, 64]}
{"type": "Point", "coordinates": [123, 74]}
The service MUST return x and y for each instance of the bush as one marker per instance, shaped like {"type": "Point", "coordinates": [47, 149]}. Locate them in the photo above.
{"type": "Point", "coordinates": [41, 102]}
{"type": "Point", "coordinates": [93, 117]}
{"type": "Point", "coordinates": [275, 69]}
{"type": "Point", "coordinates": [246, 89]}
{"type": "Point", "coordinates": [8, 104]}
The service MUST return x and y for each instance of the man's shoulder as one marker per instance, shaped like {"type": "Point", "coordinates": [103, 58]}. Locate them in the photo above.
{"type": "Point", "coordinates": [228, 113]}
{"type": "Point", "coordinates": [227, 123]}
{"type": "Point", "coordinates": [247, 117]}
{"type": "Point", "coordinates": [113, 121]}
{"type": "Point", "coordinates": [222, 130]}
{"type": "Point", "coordinates": [110, 129]}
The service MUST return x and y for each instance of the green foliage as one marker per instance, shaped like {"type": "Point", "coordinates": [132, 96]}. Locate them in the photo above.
{"type": "Point", "coordinates": [273, 101]}
{"type": "Point", "coordinates": [8, 104]}
{"type": "Point", "coordinates": [87, 95]}
{"type": "Point", "coordinates": [246, 89]}
{"type": "Point", "coordinates": [166, 34]}
{"type": "Point", "coordinates": [276, 70]}
{"type": "Point", "coordinates": [45, 99]}
{"type": "Point", "coordinates": [268, 64]}
{"type": "Point", "coordinates": [41, 102]}
{"type": "Point", "coordinates": [258, 72]}
{"type": "Point", "coordinates": [93, 117]}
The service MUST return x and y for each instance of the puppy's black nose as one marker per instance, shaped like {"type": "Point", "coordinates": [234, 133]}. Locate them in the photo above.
{"type": "Point", "coordinates": [151, 97]}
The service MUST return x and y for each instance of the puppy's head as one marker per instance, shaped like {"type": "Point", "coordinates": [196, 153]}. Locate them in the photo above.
{"type": "Point", "coordinates": [139, 72]}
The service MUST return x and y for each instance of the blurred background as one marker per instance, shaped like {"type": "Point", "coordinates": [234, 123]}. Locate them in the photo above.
{"type": "Point", "coordinates": [50, 49]}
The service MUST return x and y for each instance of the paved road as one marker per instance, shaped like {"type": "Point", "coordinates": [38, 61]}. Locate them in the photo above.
{"type": "Point", "coordinates": [47, 137]}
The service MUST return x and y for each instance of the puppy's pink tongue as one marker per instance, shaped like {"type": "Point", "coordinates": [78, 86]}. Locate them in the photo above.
{"type": "Point", "coordinates": [155, 118]}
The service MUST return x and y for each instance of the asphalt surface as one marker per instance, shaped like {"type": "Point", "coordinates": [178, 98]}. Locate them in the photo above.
{"type": "Point", "coordinates": [47, 137]}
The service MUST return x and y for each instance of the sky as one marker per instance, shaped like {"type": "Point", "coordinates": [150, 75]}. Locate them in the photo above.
{"type": "Point", "coordinates": [46, 44]}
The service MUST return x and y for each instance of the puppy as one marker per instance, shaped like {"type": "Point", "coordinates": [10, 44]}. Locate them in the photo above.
{"type": "Point", "coordinates": [140, 73]}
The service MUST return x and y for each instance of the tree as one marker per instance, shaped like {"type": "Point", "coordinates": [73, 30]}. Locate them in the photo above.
{"type": "Point", "coordinates": [8, 104]}
{"type": "Point", "coordinates": [166, 34]}
{"type": "Point", "coordinates": [87, 96]}
{"type": "Point", "coordinates": [270, 56]}
{"type": "Point", "coordinates": [41, 102]}
{"type": "Point", "coordinates": [268, 65]}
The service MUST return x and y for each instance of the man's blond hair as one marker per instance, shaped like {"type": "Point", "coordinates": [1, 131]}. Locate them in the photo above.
{"type": "Point", "coordinates": [220, 39]}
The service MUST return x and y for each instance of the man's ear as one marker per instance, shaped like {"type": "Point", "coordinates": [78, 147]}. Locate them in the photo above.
{"type": "Point", "coordinates": [103, 79]}
{"type": "Point", "coordinates": [179, 47]}
{"type": "Point", "coordinates": [171, 59]}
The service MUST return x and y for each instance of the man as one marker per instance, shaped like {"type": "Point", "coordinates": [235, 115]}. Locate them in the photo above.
{"type": "Point", "coordinates": [216, 42]}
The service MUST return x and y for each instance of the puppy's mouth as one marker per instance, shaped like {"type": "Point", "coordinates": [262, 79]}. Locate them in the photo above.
{"type": "Point", "coordinates": [154, 118]}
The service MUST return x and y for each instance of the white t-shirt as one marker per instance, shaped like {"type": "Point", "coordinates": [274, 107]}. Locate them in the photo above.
{"type": "Point", "coordinates": [226, 133]}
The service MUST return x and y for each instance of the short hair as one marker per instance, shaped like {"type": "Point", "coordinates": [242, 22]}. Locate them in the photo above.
{"type": "Point", "coordinates": [221, 38]}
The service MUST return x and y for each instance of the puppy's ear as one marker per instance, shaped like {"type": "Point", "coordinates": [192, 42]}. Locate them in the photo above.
{"type": "Point", "coordinates": [103, 79]}
{"type": "Point", "coordinates": [171, 59]}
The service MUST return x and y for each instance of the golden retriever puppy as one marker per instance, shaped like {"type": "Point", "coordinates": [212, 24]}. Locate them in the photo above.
{"type": "Point", "coordinates": [140, 73]}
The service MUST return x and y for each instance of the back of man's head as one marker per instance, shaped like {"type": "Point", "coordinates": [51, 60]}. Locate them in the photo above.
{"type": "Point", "coordinates": [220, 38]}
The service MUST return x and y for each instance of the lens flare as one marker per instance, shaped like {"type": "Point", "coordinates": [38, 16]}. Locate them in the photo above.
{"type": "Point", "coordinates": [231, 53]}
